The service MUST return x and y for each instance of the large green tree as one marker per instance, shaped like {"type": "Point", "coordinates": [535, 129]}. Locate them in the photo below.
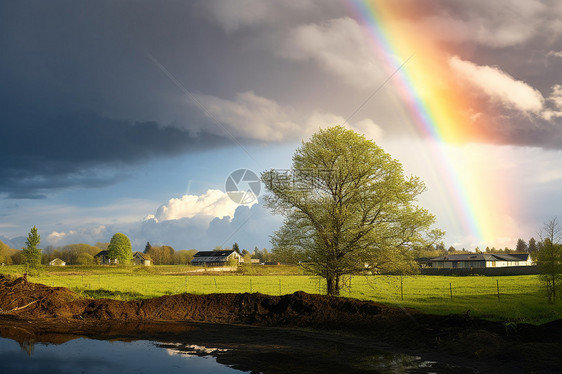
{"type": "Point", "coordinates": [549, 257]}
{"type": "Point", "coordinates": [348, 208]}
{"type": "Point", "coordinates": [120, 248]}
{"type": "Point", "coordinates": [31, 254]}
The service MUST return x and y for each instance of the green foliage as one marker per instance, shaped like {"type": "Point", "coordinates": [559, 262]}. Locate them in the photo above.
{"type": "Point", "coordinates": [236, 248]}
{"type": "Point", "coordinates": [348, 208]}
{"type": "Point", "coordinates": [533, 248]}
{"type": "Point", "coordinates": [163, 255]}
{"type": "Point", "coordinates": [265, 256]}
{"type": "Point", "coordinates": [147, 248]}
{"type": "Point", "coordinates": [233, 261]}
{"type": "Point", "coordinates": [120, 248]}
{"type": "Point", "coordinates": [84, 258]}
{"type": "Point", "coordinates": [31, 253]}
{"type": "Point", "coordinates": [184, 256]}
{"type": "Point", "coordinates": [521, 246]}
{"type": "Point", "coordinates": [72, 254]}
{"type": "Point", "coordinates": [549, 258]}
{"type": "Point", "coordinates": [6, 254]}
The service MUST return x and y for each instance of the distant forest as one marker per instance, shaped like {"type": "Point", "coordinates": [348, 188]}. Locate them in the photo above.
{"type": "Point", "coordinates": [83, 254]}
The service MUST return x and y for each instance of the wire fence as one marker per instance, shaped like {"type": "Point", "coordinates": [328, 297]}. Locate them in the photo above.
{"type": "Point", "coordinates": [385, 288]}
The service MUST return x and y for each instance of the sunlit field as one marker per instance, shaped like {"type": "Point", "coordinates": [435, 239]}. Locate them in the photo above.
{"type": "Point", "coordinates": [521, 298]}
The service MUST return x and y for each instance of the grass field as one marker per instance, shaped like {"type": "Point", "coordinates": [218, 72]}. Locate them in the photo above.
{"type": "Point", "coordinates": [521, 298]}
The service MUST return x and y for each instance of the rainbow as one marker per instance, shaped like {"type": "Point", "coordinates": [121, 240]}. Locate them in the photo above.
{"type": "Point", "coordinates": [437, 107]}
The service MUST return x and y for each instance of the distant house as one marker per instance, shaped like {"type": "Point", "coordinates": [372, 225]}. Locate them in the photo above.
{"type": "Point", "coordinates": [140, 258]}
{"type": "Point", "coordinates": [215, 258]}
{"type": "Point", "coordinates": [57, 262]}
{"type": "Point", "coordinates": [480, 260]}
{"type": "Point", "coordinates": [103, 258]}
{"type": "Point", "coordinates": [424, 262]}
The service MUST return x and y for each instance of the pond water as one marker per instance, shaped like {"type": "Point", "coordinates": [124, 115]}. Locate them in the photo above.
{"type": "Point", "coordinates": [84, 355]}
{"type": "Point", "coordinates": [100, 356]}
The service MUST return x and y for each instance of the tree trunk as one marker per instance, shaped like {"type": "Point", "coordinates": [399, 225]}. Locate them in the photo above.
{"type": "Point", "coordinates": [333, 285]}
{"type": "Point", "coordinates": [554, 289]}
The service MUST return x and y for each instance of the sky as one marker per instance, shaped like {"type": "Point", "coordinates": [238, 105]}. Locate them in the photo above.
{"type": "Point", "coordinates": [130, 116]}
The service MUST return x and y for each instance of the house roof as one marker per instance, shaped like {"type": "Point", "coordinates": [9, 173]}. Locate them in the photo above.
{"type": "Point", "coordinates": [56, 260]}
{"type": "Point", "coordinates": [213, 253]}
{"type": "Point", "coordinates": [520, 256]}
{"type": "Point", "coordinates": [483, 257]}
{"type": "Point", "coordinates": [142, 256]}
{"type": "Point", "coordinates": [102, 253]}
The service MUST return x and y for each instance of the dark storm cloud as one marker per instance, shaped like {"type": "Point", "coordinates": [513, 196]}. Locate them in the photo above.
{"type": "Point", "coordinates": [79, 97]}
{"type": "Point", "coordinates": [57, 152]}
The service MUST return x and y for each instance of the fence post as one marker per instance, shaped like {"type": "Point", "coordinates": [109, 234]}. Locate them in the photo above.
{"type": "Point", "coordinates": [451, 290]}
{"type": "Point", "coordinates": [401, 288]}
{"type": "Point", "coordinates": [215, 279]}
{"type": "Point", "coordinates": [251, 285]}
{"type": "Point", "coordinates": [279, 287]}
{"type": "Point", "coordinates": [498, 288]}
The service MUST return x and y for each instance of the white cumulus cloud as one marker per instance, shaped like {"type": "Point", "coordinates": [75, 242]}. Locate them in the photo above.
{"type": "Point", "coordinates": [212, 204]}
{"type": "Point", "coordinates": [499, 86]}
{"type": "Point", "coordinates": [55, 237]}
{"type": "Point", "coordinates": [251, 116]}
{"type": "Point", "coordinates": [260, 118]}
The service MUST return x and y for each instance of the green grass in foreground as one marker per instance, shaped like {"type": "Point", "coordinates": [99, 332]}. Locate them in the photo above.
{"type": "Point", "coordinates": [522, 298]}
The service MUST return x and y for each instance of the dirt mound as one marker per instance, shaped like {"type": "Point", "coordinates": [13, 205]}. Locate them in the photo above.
{"type": "Point", "coordinates": [32, 301]}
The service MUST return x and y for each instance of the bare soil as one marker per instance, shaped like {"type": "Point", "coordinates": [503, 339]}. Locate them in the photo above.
{"type": "Point", "coordinates": [282, 334]}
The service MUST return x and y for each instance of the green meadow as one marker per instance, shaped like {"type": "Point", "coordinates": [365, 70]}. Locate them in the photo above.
{"type": "Point", "coordinates": [521, 298]}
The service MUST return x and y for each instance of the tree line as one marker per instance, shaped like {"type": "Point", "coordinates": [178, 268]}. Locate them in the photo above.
{"type": "Point", "coordinates": [83, 254]}
{"type": "Point", "coordinates": [166, 255]}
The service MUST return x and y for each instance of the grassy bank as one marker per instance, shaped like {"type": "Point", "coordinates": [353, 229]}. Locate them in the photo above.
{"type": "Point", "coordinates": [521, 298]}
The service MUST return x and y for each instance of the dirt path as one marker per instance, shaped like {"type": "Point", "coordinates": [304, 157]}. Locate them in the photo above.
{"type": "Point", "coordinates": [282, 333]}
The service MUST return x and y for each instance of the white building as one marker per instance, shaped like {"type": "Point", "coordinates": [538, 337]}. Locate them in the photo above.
{"type": "Point", "coordinates": [57, 262]}
{"type": "Point", "coordinates": [480, 260]}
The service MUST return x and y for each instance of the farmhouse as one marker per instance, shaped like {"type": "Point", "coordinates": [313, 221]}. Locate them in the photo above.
{"type": "Point", "coordinates": [480, 260]}
{"type": "Point", "coordinates": [215, 258]}
{"type": "Point", "coordinates": [103, 258]}
{"type": "Point", "coordinates": [140, 258]}
{"type": "Point", "coordinates": [57, 262]}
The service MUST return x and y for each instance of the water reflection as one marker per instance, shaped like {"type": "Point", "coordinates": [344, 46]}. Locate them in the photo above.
{"type": "Point", "coordinates": [98, 356]}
